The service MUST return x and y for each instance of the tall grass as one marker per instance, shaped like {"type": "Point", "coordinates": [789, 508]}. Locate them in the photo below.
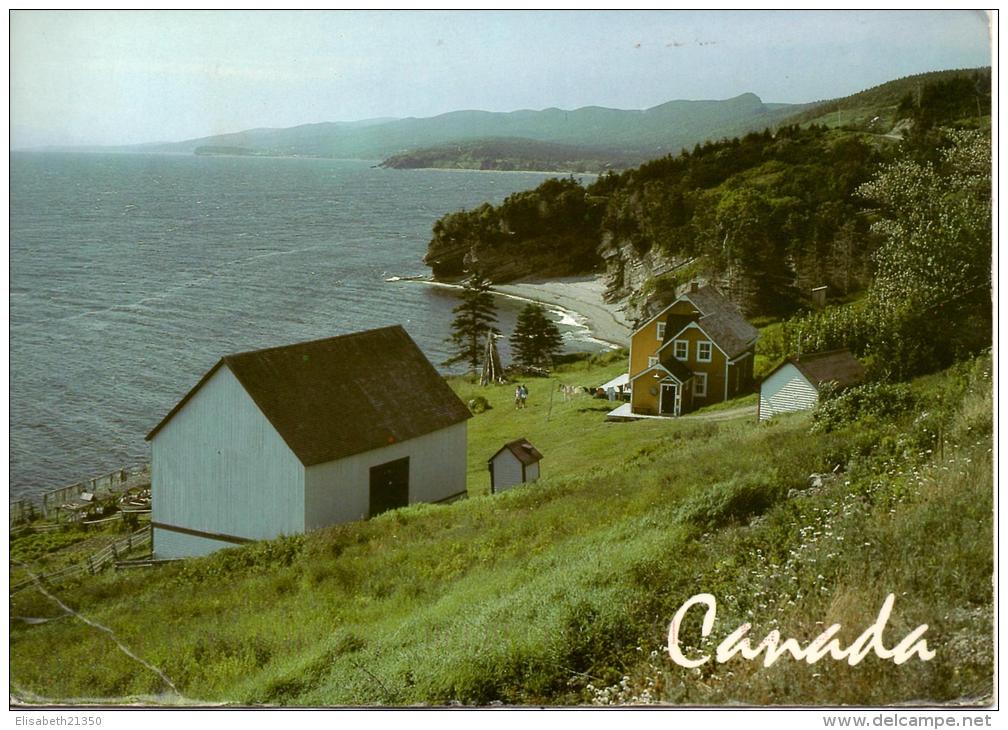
{"type": "Point", "coordinates": [561, 591]}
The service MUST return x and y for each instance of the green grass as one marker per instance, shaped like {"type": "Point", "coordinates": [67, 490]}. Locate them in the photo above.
{"type": "Point", "coordinates": [750, 399]}
{"type": "Point", "coordinates": [49, 551]}
{"type": "Point", "coordinates": [561, 592]}
{"type": "Point", "coordinates": [571, 434]}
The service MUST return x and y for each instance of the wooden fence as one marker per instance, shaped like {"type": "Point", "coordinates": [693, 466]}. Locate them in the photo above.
{"type": "Point", "coordinates": [93, 563]}
{"type": "Point", "coordinates": [23, 510]}
{"type": "Point", "coordinates": [116, 482]}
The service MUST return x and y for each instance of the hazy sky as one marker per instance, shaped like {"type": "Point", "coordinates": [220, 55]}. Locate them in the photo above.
{"type": "Point", "coordinates": [80, 77]}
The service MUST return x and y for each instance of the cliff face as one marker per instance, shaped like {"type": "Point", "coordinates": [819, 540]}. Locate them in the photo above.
{"type": "Point", "coordinates": [644, 281]}
{"type": "Point", "coordinates": [447, 257]}
{"type": "Point", "coordinates": [452, 258]}
{"type": "Point", "coordinates": [550, 231]}
{"type": "Point", "coordinates": [635, 277]}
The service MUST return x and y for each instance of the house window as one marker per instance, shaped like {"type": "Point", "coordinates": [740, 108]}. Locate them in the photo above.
{"type": "Point", "coordinates": [652, 361]}
{"type": "Point", "coordinates": [703, 351]}
{"type": "Point", "coordinates": [661, 330]}
{"type": "Point", "coordinates": [700, 385]}
{"type": "Point", "coordinates": [681, 349]}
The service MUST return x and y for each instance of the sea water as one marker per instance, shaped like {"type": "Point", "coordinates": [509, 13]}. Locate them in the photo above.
{"type": "Point", "coordinates": [131, 275]}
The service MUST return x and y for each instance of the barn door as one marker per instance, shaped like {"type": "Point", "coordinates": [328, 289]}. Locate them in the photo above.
{"type": "Point", "coordinates": [389, 486]}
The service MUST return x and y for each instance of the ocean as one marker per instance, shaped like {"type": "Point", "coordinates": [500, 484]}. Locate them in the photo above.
{"type": "Point", "coordinates": [131, 275]}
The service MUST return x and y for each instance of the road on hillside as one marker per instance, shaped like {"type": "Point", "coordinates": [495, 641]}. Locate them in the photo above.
{"type": "Point", "coordinates": [725, 415]}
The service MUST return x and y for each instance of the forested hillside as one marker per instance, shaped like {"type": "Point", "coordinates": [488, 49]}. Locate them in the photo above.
{"type": "Point", "coordinates": [767, 216]}
{"type": "Point", "coordinates": [768, 212]}
{"type": "Point", "coordinates": [510, 153]}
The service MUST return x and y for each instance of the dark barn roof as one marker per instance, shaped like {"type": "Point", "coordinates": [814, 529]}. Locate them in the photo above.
{"type": "Point", "coordinates": [340, 396]}
{"type": "Point", "coordinates": [833, 366]}
{"type": "Point", "coordinates": [525, 452]}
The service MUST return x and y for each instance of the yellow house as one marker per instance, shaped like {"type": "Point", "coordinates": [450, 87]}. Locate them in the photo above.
{"type": "Point", "coordinates": [697, 351]}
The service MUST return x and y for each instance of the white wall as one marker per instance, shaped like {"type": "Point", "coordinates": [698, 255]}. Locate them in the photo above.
{"type": "Point", "coordinates": [507, 471]}
{"type": "Point", "coordinates": [785, 391]}
{"type": "Point", "coordinates": [532, 472]}
{"type": "Point", "coordinates": [170, 544]}
{"type": "Point", "coordinates": [339, 491]}
{"type": "Point", "coordinates": [219, 467]}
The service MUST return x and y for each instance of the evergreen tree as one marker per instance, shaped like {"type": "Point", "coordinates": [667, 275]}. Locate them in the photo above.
{"type": "Point", "coordinates": [474, 317]}
{"type": "Point", "coordinates": [536, 340]}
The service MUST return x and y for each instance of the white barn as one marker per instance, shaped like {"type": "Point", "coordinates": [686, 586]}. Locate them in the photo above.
{"type": "Point", "coordinates": [794, 384]}
{"type": "Point", "coordinates": [289, 439]}
{"type": "Point", "coordinates": [516, 462]}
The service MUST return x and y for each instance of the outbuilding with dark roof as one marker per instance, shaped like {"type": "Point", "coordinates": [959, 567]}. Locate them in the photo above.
{"type": "Point", "coordinates": [794, 385]}
{"type": "Point", "coordinates": [516, 462]}
{"type": "Point", "coordinates": [289, 439]}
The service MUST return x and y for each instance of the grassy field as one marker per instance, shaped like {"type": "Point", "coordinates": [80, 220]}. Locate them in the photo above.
{"type": "Point", "coordinates": [561, 592]}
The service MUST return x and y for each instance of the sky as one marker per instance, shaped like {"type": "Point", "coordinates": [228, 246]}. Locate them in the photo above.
{"type": "Point", "coordinates": [128, 77]}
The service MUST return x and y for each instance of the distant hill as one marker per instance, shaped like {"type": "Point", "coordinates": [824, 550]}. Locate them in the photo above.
{"type": "Point", "coordinates": [878, 109]}
{"type": "Point", "coordinates": [645, 133]}
{"type": "Point", "coordinates": [510, 153]}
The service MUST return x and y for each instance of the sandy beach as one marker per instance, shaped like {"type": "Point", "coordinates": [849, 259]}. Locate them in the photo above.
{"type": "Point", "coordinates": [580, 295]}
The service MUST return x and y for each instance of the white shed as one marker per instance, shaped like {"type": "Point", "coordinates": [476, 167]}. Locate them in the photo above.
{"type": "Point", "coordinates": [618, 388]}
{"type": "Point", "coordinates": [516, 462]}
{"type": "Point", "coordinates": [794, 384]}
{"type": "Point", "coordinates": [295, 438]}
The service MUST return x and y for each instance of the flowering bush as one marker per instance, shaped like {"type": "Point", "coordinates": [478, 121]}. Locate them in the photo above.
{"type": "Point", "coordinates": [881, 400]}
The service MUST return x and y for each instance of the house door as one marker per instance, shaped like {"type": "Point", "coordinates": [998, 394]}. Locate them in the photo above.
{"type": "Point", "coordinates": [389, 486]}
{"type": "Point", "coordinates": [669, 405]}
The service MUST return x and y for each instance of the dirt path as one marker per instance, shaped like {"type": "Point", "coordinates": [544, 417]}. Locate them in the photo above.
{"type": "Point", "coordinates": [726, 415]}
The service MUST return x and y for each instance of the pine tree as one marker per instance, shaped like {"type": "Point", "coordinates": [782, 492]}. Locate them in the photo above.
{"type": "Point", "coordinates": [536, 340]}
{"type": "Point", "coordinates": [474, 317]}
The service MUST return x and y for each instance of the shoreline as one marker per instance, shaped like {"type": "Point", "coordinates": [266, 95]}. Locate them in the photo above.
{"type": "Point", "coordinates": [578, 298]}
{"type": "Point", "coordinates": [522, 172]}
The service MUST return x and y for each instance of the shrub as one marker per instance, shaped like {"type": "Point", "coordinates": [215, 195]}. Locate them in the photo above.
{"type": "Point", "coordinates": [881, 400]}
{"type": "Point", "coordinates": [733, 501]}
{"type": "Point", "coordinates": [478, 404]}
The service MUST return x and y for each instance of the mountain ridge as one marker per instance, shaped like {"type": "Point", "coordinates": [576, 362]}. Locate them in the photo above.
{"type": "Point", "coordinates": [638, 133]}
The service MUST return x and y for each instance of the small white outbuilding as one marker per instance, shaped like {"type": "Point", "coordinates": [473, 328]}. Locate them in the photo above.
{"type": "Point", "coordinates": [289, 439]}
{"type": "Point", "coordinates": [516, 462]}
{"type": "Point", "coordinates": [794, 385]}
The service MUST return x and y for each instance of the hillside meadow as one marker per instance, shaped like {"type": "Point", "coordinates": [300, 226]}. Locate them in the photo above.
{"type": "Point", "coordinates": [561, 592]}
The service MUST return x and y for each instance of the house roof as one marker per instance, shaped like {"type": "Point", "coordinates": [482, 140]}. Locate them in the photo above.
{"type": "Point", "coordinates": [344, 395]}
{"type": "Point", "coordinates": [836, 366]}
{"type": "Point", "coordinates": [675, 323]}
{"type": "Point", "coordinates": [676, 367]}
{"type": "Point", "coordinates": [719, 319]}
{"type": "Point", "coordinates": [525, 452]}
{"type": "Point", "coordinates": [722, 320]}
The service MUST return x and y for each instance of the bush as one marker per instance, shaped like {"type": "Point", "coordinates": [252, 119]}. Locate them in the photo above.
{"type": "Point", "coordinates": [733, 501]}
{"type": "Point", "coordinates": [881, 400]}
{"type": "Point", "coordinates": [479, 404]}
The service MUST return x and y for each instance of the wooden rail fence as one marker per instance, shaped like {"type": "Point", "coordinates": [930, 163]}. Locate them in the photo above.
{"type": "Point", "coordinates": [48, 504]}
{"type": "Point", "coordinates": [94, 563]}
